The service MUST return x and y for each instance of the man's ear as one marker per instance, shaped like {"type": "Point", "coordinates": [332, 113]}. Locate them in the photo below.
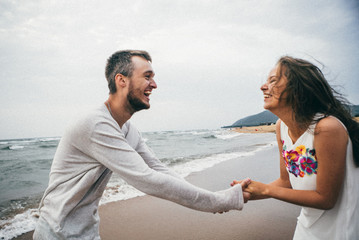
{"type": "Point", "coordinates": [121, 80]}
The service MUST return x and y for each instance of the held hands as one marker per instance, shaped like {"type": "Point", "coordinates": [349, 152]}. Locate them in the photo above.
{"type": "Point", "coordinates": [244, 183]}
{"type": "Point", "coordinates": [251, 189]}
{"type": "Point", "coordinates": [246, 196]}
{"type": "Point", "coordinates": [254, 189]}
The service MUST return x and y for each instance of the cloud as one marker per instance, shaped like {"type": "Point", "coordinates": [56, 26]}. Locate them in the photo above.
{"type": "Point", "coordinates": [210, 57]}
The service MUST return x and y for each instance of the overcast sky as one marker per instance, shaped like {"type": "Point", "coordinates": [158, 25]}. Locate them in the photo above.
{"type": "Point", "coordinates": [210, 57]}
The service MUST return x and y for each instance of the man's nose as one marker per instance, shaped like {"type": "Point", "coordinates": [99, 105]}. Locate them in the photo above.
{"type": "Point", "coordinates": [153, 83]}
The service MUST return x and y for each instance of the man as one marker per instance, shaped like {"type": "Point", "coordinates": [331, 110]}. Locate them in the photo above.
{"type": "Point", "coordinates": [104, 142]}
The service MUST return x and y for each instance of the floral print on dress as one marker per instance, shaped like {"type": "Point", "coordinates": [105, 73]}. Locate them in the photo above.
{"type": "Point", "coordinates": [301, 161]}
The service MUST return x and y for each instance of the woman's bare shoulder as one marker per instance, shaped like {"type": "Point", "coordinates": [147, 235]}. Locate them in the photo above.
{"type": "Point", "coordinates": [330, 126]}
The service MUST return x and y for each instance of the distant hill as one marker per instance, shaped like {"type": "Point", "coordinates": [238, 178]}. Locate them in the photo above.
{"type": "Point", "coordinates": [267, 118]}
{"type": "Point", "coordinates": [354, 110]}
{"type": "Point", "coordinates": [263, 118]}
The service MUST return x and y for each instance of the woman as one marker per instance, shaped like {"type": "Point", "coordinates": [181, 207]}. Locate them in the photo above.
{"type": "Point", "coordinates": [319, 152]}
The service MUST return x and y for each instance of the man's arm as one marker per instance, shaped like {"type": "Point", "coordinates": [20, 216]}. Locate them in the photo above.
{"type": "Point", "coordinates": [152, 161]}
{"type": "Point", "coordinates": [109, 147]}
{"type": "Point", "coordinates": [135, 140]}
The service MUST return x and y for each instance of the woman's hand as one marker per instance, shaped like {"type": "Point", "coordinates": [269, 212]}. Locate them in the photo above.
{"type": "Point", "coordinates": [258, 189]}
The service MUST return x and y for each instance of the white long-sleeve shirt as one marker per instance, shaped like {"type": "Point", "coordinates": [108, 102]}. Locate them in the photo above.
{"type": "Point", "coordinates": [87, 155]}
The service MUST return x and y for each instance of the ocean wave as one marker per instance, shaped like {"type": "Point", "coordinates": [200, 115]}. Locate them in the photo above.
{"type": "Point", "coordinates": [228, 135]}
{"type": "Point", "coordinates": [210, 136]}
{"type": "Point", "coordinates": [207, 162]}
{"type": "Point", "coordinates": [21, 223]}
{"type": "Point", "coordinates": [198, 133]}
{"type": "Point", "coordinates": [220, 134]}
{"type": "Point", "coordinates": [23, 141]}
{"type": "Point", "coordinates": [49, 139]}
{"type": "Point", "coordinates": [117, 192]}
{"type": "Point", "coordinates": [195, 132]}
{"type": "Point", "coordinates": [19, 217]}
{"type": "Point", "coordinates": [13, 147]}
{"type": "Point", "coordinates": [48, 146]}
{"type": "Point", "coordinates": [26, 220]}
{"type": "Point", "coordinates": [191, 132]}
{"type": "Point", "coordinates": [26, 141]}
{"type": "Point", "coordinates": [174, 160]}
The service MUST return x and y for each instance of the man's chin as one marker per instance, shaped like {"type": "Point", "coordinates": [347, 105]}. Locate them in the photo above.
{"type": "Point", "coordinates": [139, 107]}
{"type": "Point", "coordinates": [137, 104]}
{"type": "Point", "coordinates": [142, 109]}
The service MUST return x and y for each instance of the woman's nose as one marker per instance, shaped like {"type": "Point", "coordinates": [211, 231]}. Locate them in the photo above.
{"type": "Point", "coordinates": [264, 87]}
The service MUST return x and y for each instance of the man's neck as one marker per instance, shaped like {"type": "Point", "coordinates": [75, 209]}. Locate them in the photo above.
{"type": "Point", "coordinates": [118, 110]}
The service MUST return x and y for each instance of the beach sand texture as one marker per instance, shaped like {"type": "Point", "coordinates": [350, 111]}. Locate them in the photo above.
{"type": "Point", "coordinates": [256, 129]}
{"type": "Point", "coordinates": [148, 217]}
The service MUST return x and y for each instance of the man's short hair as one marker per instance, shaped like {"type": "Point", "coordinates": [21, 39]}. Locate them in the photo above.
{"type": "Point", "coordinates": [120, 62]}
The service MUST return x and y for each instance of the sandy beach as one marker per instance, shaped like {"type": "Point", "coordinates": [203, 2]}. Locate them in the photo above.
{"type": "Point", "coordinates": [148, 217]}
{"type": "Point", "coordinates": [256, 129]}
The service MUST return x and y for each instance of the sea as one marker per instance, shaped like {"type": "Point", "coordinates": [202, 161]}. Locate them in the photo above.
{"type": "Point", "coordinates": [25, 165]}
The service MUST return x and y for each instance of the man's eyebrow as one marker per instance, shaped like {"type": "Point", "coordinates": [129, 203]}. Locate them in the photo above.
{"type": "Point", "coordinates": [149, 71]}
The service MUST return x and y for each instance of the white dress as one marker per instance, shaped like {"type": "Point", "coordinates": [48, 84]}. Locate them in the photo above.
{"type": "Point", "coordinates": [340, 222]}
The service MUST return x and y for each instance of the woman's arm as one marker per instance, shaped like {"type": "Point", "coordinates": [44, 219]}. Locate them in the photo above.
{"type": "Point", "coordinates": [283, 180]}
{"type": "Point", "coordinates": [330, 144]}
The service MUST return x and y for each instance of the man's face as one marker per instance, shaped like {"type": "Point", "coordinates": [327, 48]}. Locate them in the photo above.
{"type": "Point", "coordinates": [141, 84]}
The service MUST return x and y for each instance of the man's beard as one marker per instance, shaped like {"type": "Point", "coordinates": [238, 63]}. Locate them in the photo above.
{"type": "Point", "coordinates": [134, 101]}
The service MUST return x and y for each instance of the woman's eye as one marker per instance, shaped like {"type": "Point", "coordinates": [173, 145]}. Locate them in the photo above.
{"type": "Point", "coordinates": [272, 80]}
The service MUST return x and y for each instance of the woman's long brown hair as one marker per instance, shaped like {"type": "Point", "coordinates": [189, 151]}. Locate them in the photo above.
{"type": "Point", "coordinates": [309, 93]}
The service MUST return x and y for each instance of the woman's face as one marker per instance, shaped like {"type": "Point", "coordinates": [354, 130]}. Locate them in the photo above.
{"type": "Point", "coordinates": [272, 90]}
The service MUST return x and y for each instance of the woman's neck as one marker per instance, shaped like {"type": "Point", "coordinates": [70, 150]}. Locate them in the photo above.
{"type": "Point", "coordinates": [295, 130]}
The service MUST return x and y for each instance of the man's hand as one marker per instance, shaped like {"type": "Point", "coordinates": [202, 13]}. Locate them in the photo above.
{"type": "Point", "coordinates": [246, 195]}
{"type": "Point", "coordinates": [244, 183]}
